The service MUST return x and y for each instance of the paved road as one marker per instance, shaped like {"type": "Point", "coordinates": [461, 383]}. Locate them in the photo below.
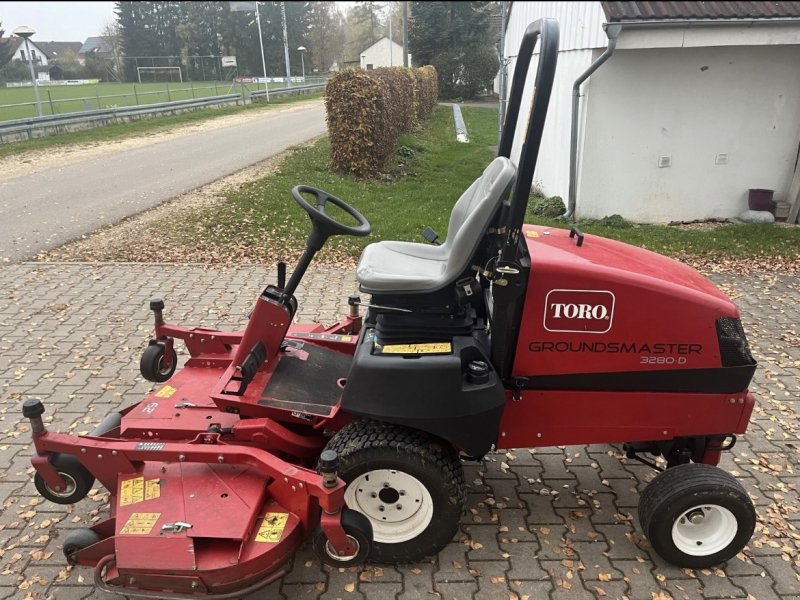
{"type": "Point", "coordinates": [560, 523]}
{"type": "Point", "coordinates": [46, 209]}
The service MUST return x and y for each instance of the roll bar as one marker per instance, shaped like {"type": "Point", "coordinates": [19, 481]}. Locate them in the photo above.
{"type": "Point", "coordinates": [547, 30]}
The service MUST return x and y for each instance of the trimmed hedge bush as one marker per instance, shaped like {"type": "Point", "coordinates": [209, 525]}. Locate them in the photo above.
{"type": "Point", "coordinates": [368, 110]}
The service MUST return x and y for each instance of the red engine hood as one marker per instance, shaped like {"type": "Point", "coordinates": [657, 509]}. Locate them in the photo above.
{"type": "Point", "coordinates": [553, 249]}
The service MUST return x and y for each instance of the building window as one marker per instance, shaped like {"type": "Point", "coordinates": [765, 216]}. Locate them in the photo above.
{"type": "Point", "coordinates": [22, 54]}
{"type": "Point", "coordinates": [369, 67]}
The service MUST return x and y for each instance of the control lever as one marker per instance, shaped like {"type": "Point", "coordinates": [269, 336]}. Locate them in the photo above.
{"type": "Point", "coordinates": [575, 231]}
{"type": "Point", "coordinates": [281, 274]}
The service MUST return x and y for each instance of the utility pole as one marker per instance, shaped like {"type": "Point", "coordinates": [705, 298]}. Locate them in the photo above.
{"type": "Point", "coordinates": [286, 46]}
{"type": "Point", "coordinates": [405, 33]}
{"type": "Point", "coordinates": [263, 62]}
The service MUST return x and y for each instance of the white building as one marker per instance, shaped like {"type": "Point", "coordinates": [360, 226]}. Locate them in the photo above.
{"type": "Point", "coordinates": [17, 44]}
{"type": "Point", "coordinates": [698, 102]}
{"type": "Point", "coordinates": [383, 53]}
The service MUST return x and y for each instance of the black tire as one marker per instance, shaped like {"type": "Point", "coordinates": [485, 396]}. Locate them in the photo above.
{"type": "Point", "coordinates": [696, 516]}
{"type": "Point", "coordinates": [366, 447]}
{"type": "Point", "coordinates": [79, 480]}
{"type": "Point", "coordinates": [78, 539]}
{"type": "Point", "coordinates": [152, 359]}
{"type": "Point", "coordinates": [358, 529]}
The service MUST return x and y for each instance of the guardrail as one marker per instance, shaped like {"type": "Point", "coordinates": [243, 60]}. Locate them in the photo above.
{"type": "Point", "coordinates": [18, 129]}
{"type": "Point", "coordinates": [291, 91]}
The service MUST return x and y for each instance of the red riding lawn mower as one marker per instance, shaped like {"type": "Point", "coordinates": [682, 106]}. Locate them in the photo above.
{"type": "Point", "coordinates": [504, 336]}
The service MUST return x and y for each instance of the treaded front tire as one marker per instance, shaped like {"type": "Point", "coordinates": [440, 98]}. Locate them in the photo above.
{"type": "Point", "coordinates": [407, 482]}
{"type": "Point", "coordinates": [696, 515]}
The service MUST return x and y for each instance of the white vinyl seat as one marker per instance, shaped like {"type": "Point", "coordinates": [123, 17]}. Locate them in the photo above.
{"type": "Point", "coordinates": [404, 267]}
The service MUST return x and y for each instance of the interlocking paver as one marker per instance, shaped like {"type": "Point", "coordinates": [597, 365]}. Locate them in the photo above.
{"type": "Point", "coordinates": [552, 523]}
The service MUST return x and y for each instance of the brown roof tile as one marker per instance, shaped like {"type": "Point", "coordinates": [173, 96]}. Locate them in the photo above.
{"type": "Point", "coordinates": [657, 11]}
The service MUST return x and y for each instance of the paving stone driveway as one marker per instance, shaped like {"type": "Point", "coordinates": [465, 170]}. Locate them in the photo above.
{"type": "Point", "coordinates": [557, 523]}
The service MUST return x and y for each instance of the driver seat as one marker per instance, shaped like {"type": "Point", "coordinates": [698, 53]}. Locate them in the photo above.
{"type": "Point", "coordinates": [392, 267]}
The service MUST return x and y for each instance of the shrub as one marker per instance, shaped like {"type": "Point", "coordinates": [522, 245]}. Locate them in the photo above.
{"type": "Point", "coordinates": [355, 112]}
{"type": "Point", "coordinates": [549, 207]}
{"type": "Point", "coordinates": [367, 111]}
{"type": "Point", "coordinates": [615, 222]}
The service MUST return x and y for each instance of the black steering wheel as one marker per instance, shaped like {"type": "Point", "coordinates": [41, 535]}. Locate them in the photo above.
{"type": "Point", "coordinates": [323, 223]}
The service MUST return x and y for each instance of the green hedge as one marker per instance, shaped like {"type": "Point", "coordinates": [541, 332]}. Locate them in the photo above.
{"type": "Point", "coordinates": [368, 110]}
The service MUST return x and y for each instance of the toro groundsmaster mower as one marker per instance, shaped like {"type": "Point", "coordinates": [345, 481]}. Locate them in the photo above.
{"type": "Point", "coordinates": [504, 336]}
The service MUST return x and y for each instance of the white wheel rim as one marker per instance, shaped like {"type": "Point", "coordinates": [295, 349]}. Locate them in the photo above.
{"type": "Point", "coordinates": [66, 492]}
{"type": "Point", "coordinates": [704, 530]}
{"type": "Point", "coordinates": [342, 558]}
{"type": "Point", "coordinates": [399, 506]}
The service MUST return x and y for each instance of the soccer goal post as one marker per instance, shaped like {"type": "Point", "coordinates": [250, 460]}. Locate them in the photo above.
{"type": "Point", "coordinates": [159, 74]}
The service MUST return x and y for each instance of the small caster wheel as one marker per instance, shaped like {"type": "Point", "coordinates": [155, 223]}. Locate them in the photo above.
{"type": "Point", "coordinates": [151, 365]}
{"type": "Point", "coordinates": [696, 516]}
{"type": "Point", "coordinates": [78, 539]}
{"type": "Point", "coordinates": [358, 529]}
{"type": "Point", "coordinates": [79, 480]}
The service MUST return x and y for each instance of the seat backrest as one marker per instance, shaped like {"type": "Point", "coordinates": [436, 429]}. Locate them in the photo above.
{"type": "Point", "coordinates": [472, 214]}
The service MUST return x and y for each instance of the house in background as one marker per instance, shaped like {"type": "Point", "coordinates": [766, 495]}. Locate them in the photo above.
{"type": "Point", "coordinates": [383, 53]}
{"type": "Point", "coordinates": [59, 50]}
{"type": "Point", "coordinates": [38, 55]}
{"type": "Point", "coordinates": [97, 45]}
{"type": "Point", "coordinates": [698, 102]}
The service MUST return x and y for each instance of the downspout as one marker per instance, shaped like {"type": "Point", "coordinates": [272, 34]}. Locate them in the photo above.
{"type": "Point", "coordinates": [612, 31]}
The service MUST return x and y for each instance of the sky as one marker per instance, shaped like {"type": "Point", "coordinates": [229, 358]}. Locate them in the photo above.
{"type": "Point", "coordinates": [57, 21]}
{"type": "Point", "coordinates": [64, 21]}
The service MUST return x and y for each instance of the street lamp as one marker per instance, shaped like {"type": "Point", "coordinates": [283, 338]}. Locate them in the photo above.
{"type": "Point", "coordinates": [25, 32]}
{"type": "Point", "coordinates": [302, 51]}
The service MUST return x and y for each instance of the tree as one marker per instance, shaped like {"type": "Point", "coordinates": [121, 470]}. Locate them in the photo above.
{"type": "Point", "coordinates": [365, 25]}
{"type": "Point", "coordinates": [454, 37]}
{"type": "Point", "coordinates": [326, 36]}
{"type": "Point", "coordinates": [5, 48]}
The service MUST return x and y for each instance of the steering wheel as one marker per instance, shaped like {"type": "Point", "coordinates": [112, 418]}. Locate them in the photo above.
{"type": "Point", "coordinates": [323, 223]}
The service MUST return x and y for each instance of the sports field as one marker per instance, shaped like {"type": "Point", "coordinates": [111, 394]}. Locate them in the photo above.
{"type": "Point", "coordinates": [18, 103]}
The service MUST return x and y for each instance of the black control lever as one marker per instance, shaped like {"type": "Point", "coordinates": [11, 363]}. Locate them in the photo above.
{"type": "Point", "coordinates": [575, 231]}
{"type": "Point", "coordinates": [281, 274]}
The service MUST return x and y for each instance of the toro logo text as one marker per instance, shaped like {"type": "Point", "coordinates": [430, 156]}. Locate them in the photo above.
{"type": "Point", "coordinates": [579, 311]}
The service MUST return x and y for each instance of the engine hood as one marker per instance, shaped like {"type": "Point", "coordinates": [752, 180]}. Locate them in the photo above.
{"type": "Point", "coordinates": [551, 249]}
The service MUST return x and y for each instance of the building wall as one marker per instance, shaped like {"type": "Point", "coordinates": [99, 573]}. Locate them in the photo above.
{"type": "Point", "coordinates": [39, 56]}
{"type": "Point", "coordinates": [691, 104]}
{"type": "Point", "coordinates": [378, 55]}
{"type": "Point", "coordinates": [580, 25]}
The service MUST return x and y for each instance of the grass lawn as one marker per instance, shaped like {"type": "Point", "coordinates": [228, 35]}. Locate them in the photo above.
{"type": "Point", "coordinates": [76, 98]}
{"type": "Point", "coordinates": [259, 222]}
{"type": "Point", "coordinates": [143, 126]}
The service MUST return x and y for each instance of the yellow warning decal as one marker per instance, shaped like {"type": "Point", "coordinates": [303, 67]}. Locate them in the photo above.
{"type": "Point", "coordinates": [430, 348]}
{"type": "Point", "coordinates": [347, 338]}
{"type": "Point", "coordinates": [152, 489]}
{"type": "Point", "coordinates": [533, 234]}
{"type": "Point", "coordinates": [133, 491]}
{"type": "Point", "coordinates": [140, 523]}
{"type": "Point", "coordinates": [272, 527]}
{"type": "Point", "coordinates": [166, 391]}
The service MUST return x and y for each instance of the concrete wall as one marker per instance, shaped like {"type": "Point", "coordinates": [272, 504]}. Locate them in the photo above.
{"type": "Point", "coordinates": [691, 104]}
{"type": "Point", "coordinates": [379, 55]}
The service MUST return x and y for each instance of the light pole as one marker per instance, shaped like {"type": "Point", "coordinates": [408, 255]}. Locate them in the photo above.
{"type": "Point", "coordinates": [25, 32]}
{"type": "Point", "coordinates": [302, 51]}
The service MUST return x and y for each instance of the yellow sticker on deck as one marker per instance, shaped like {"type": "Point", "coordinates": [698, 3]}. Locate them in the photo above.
{"type": "Point", "coordinates": [133, 491]}
{"type": "Point", "coordinates": [140, 523]}
{"type": "Point", "coordinates": [347, 338]}
{"type": "Point", "coordinates": [166, 391]}
{"type": "Point", "coordinates": [430, 348]}
{"type": "Point", "coordinates": [532, 233]}
{"type": "Point", "coordinates": [272, 527]}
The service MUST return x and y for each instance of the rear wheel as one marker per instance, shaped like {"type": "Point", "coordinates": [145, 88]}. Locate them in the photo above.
{"type": "Point", "coordinates": [409, 484]}
{"type": "Point", "coordinates": [696, 515]}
